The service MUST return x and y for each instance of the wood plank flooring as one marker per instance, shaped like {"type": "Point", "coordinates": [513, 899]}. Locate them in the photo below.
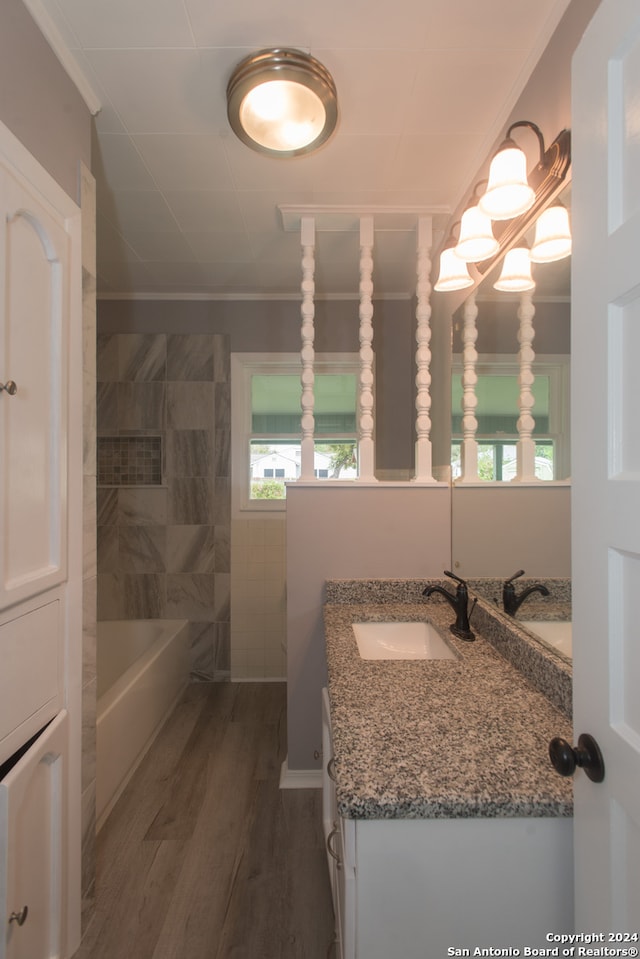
{"type": "Point", "coordinates": [204, 857]}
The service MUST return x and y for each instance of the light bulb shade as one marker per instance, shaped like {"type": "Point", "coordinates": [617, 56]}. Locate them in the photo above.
{"type": "Point", "coordinates": [282, 102]}
{"type": "Point", "coordinates": [454, 274]}
{"type": "Point", "coordinates": [476, 241]}
{"type": "Point", "coordinates": [508, 194]}
{"type": "Point", "coordinates": [516, 272]}
{"type": "Point", "coordinates": [552, 239]}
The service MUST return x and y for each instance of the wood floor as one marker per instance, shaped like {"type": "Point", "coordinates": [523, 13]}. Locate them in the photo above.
{"type": "Point", "coordinates": [204, 857]}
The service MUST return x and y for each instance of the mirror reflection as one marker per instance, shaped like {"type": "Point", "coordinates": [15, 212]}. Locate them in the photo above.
{"type": "Point", "coordinates": [500, 524]}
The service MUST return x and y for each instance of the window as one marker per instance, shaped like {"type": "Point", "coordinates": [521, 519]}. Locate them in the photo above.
{"type": "Point", "coordinates": [497, 394]}
{"type": "Point", "coordinates": [266, 414]}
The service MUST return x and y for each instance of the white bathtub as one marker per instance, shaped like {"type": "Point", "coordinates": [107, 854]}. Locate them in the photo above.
{"type": "Point", "coordinates": [142, 670]}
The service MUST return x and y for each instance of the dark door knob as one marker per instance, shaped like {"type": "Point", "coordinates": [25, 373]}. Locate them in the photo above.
{"type": "Point", "coordinates": [586, 754]}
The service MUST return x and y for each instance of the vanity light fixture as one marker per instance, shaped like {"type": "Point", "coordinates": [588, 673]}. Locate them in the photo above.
{"type": "Point", "coordinates": [453, 274]}
{"type": "Point", "coordinates": [508, 192]}
{"type": "Point", "coordinates": [516, 272]}
{"type": "Point", "coordinates": [282, 102]}
{"type": "Point", "coordinates": [552, 239]}
{"type": "Point", "coordinates": [476, 241]}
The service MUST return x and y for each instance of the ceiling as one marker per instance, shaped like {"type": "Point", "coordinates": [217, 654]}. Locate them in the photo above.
{"type": "Point", "coordinates": [185, 209]}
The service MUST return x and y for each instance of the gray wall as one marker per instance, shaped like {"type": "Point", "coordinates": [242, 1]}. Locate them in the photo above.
{"type": "Point", "coordinates": [273, 326]}
{"type": "Point", "coordinates": [497, 325]}
{"type": "Point", "coordinates": [38, 101]}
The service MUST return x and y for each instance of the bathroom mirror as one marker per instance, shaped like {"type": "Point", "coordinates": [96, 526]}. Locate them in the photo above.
{"type": "Point", "coordinates": [500, 526]}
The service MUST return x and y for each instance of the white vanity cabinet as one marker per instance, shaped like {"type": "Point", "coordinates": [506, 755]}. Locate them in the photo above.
{"type": "Point", "coordinates": [339, 836]}
{"type": "Point", "coordinates": [418, 887]}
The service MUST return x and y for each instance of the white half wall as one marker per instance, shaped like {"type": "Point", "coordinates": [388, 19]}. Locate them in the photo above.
{"type": "Point", "coordinates": [498, 529]}
{"type": "Point", "coordinates": [357, 532]}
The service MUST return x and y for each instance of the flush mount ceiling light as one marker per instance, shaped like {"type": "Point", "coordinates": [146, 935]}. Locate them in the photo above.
{"type": "Point", "coordinates": [476, 241]}
{"type": "Point", "coordinates": [282, 102]}
{"type": "Point", "coordinates": [552, 239]}
{"type": "Point", "coordinates": [516, 272]}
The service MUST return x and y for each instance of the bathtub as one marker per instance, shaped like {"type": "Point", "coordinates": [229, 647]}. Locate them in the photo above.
{"type": "Point", "coordinates": [142, 670]}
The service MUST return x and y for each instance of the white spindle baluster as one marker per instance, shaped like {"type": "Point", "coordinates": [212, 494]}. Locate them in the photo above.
{"type": "Point", "coordinates": [526, 449]}
{"type": "Point", "coordinates": [423, 352]}
{"type": "Point", "coordinates": [307, 355]}
{"type": "Point", "coordinates": [469, 451]}
{"type": "Point", "coordinates": [365, 430]}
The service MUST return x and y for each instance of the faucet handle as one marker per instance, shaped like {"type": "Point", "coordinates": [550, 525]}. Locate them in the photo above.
{"type": "Point", "coordinates": [447, 572]}
{"type": "Point", "coordinates": [515, 576]}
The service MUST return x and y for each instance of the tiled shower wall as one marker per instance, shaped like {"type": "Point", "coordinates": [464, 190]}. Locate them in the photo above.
{"type": "Point", "coordinates": [164, 550]}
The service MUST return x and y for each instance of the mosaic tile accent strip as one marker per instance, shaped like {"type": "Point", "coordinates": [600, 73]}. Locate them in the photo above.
{"type": "Point", "coordinates": [129, 460]}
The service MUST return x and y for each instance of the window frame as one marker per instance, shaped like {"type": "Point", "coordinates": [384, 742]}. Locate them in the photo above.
{"type": "Point", "coordinates": [243, 367]}
{"type": "Point", "coordinates": [557, 368]}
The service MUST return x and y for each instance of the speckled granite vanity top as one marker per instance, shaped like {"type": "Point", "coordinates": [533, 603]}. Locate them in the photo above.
{"type": "Point", "coordinates": [435, 738]}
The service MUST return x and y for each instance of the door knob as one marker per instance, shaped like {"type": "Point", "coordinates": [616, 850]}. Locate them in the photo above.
{"type": "Point", "coordinates": [9, 387]}
{"type": "Point", "coordinates": [586, 754]}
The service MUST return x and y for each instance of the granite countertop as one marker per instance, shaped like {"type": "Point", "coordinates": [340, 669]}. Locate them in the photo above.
{"type": "Point", "coordinates": [437, 738]}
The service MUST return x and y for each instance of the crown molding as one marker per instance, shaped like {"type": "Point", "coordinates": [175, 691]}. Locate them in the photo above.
{"type": "Point", "coordinates": [54, 38]}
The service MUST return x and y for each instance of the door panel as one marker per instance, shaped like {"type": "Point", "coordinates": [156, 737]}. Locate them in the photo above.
{"type": "Point", "coordinates": [606, 462]}
{"type": "Point", "coordinates": [34, 266]}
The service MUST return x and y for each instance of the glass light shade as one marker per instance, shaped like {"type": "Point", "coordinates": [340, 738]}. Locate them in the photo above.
{"type": "Point", "coordinates": [508, 194]}
{"type": "Point", "coordinates": [282, 115]}
{"type": "Point", "coordinates": [553, 235]}
{"type": "Point", "coordinates": [454, 274]}
{"type": "Point", "coordinates": [282, 102]}
{"type": "Point", "coordinates": [476, 241]}
{"type": "Point", "coordinates": [516, 272]}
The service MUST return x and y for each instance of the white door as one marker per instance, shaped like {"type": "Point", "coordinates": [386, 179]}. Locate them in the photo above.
{"type": "Point", "coordinates": [605, 348]}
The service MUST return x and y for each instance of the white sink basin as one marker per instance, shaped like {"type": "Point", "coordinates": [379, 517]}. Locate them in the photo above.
{"type": "Point", "coordinates": [557, 634]}
{"type": "Point", "coordinates": [401, 641]}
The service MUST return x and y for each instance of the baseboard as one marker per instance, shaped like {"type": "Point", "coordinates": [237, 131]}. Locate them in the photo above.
{"type": "Point", "coordinates": [300, 778]}
{"type": "Point", "coordinates": [258, 679]}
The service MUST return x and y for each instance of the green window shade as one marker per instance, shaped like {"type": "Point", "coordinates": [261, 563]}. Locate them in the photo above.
{"type": "Point", "coordinates": [497, 410]}
{"type": "Point", "coordinates": [275, 404]}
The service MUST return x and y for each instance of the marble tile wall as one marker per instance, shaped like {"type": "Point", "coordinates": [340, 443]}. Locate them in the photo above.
{"type": "Point", "coordinates": [89, 573]}
{"type": "Point", "coordinates": [165, 552]}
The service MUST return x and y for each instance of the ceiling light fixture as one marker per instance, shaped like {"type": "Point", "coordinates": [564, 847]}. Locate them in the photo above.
{"type": "Point", "coordinates": [476, 241]}
{"type": "Point", "coordinates": [453, 274]}
{"type": "Point", "coordinates": [516, 272]}
{"type": "Point", "coordinates": [552, 239]}
{"type": "Point", "coordinates": [282, 102]}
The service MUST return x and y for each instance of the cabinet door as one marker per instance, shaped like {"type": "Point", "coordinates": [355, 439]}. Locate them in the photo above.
{"type": "Point", "coordinates": [34, 277]}
{"type": "Point", "coordinates": [32, 675]}
{"type": "Point", "coordinates": [31, 844]}
{"type": "Point", "coordinates": [340, 846]}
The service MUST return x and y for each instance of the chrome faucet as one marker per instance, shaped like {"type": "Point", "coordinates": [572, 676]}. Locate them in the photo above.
{"type": "Point", "coordinates": [510, 601]}
{"type": "Point", "coordinates": [459, 603]}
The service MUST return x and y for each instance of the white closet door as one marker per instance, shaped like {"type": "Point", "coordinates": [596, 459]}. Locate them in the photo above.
{"type": "Point", "coordinates": [34, 309]}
